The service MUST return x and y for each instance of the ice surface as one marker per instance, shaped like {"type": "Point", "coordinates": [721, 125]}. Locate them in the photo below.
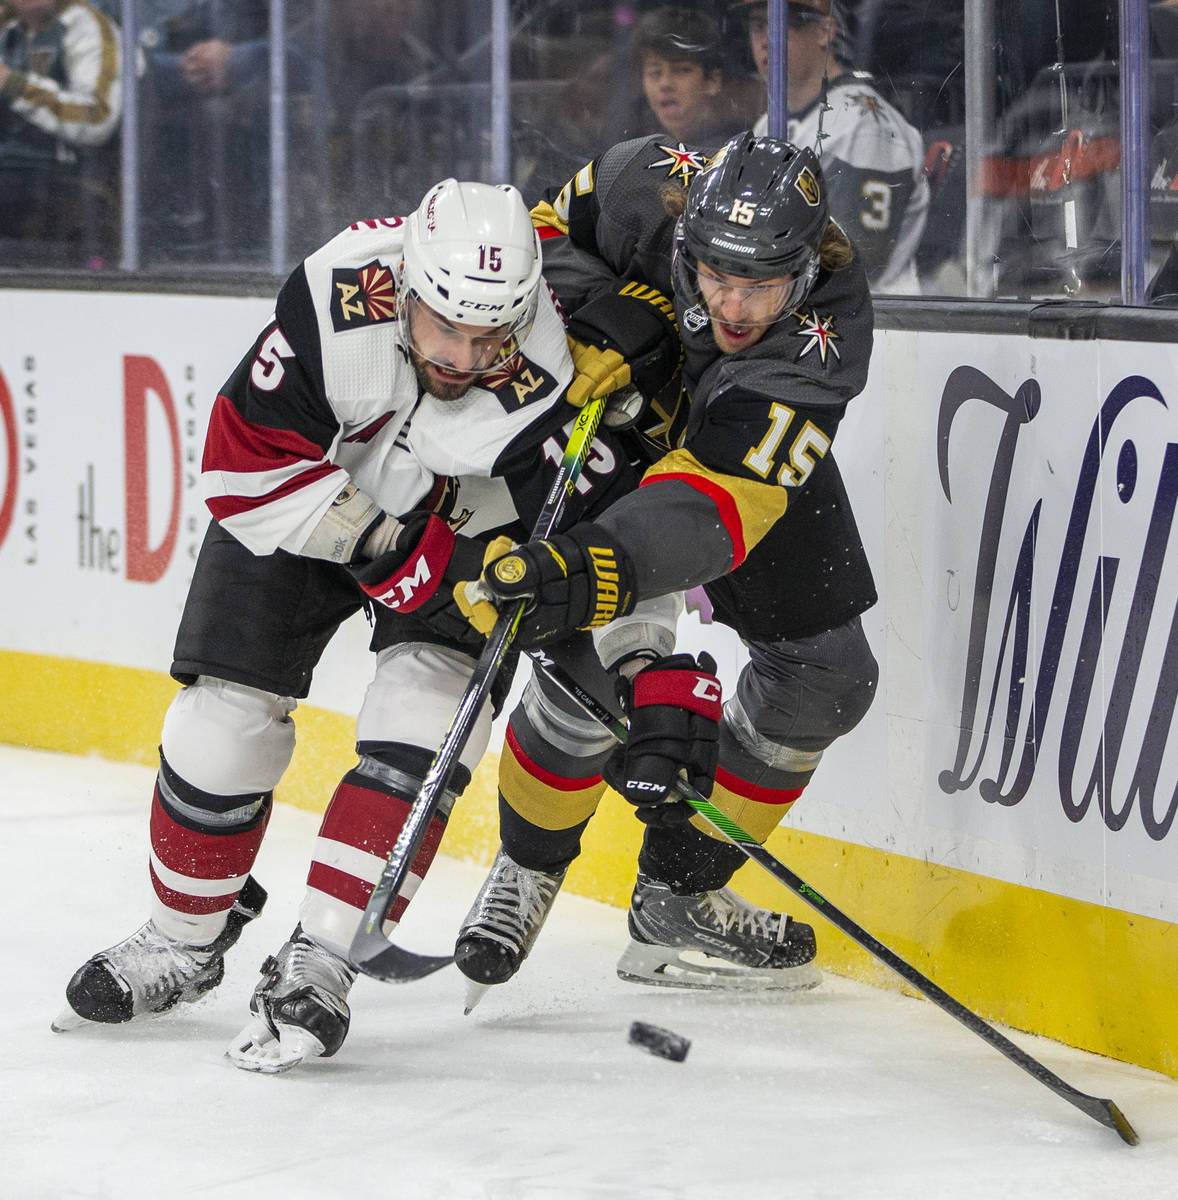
{"type": "Point", "coordinates": [843, 1092]}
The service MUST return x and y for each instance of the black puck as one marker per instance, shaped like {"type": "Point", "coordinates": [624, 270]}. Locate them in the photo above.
{"type": "Point", "coordinates": [660, 1042]}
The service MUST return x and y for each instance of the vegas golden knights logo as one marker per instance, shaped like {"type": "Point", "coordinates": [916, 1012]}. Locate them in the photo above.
{"type": "Point", "coordinates": [807, 185]}
{"type": "Point", "coordinates": [362, 296]}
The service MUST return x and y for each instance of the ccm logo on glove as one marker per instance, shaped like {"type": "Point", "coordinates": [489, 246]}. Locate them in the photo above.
{"type": "Point", "coordinates": [671, 687]}
{"type": "Point", "coordinates": [416, 579]}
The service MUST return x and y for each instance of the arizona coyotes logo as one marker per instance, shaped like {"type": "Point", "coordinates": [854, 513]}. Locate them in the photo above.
{"type": "Point", "coordinates": [442, 499]}
{"type": "Point", "coordinates": [682, 164]}
{"type": "Point", "coordinates": [807, 187]}
{"type": "Point", "coordinates": [362, 296]}
{"type": "Point", "coordinates": [516, 380]}
{"type": "Point", "coordinates": [819, 335]}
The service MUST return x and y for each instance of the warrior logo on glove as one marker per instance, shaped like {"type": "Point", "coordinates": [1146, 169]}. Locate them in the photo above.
{"type": "Point", "coordinates": [510, 569]}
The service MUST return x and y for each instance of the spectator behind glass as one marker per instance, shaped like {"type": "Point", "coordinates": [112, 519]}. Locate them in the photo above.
{"type": "Point", "coordinates": [205, 148]}
{"type": "Point", "coordinates": [211, 107]}
{"type": "Point", "coordinates": [678, 55]}
{"type": "Point", "coordinates": [872, 157]}
{"type": "Point", "coordinates": [60, 96]}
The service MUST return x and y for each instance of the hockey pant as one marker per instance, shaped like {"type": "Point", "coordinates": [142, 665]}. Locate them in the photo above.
{"type": "Point", "coordinates": [792, 700]}
{"type": "Point", "coordinates": [225, 747]}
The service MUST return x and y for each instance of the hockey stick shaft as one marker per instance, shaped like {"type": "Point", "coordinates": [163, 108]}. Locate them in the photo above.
{"type": "Point", "coordinates": [1104, 1111]}
{"type": "Point", "coordinates": [371, 951]}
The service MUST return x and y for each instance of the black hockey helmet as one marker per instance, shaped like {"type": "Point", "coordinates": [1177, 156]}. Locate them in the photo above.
{"type": "Point", "coordinates": [758, 212]}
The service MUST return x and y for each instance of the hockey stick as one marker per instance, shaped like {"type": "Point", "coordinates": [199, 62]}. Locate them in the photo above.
{"type": "Point", "coordinates": [1104, 1111]}
{"type": "Point", "coordinates": [371, 951]}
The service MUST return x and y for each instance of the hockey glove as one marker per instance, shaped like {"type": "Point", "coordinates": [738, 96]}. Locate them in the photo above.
{"type": "Point", "coordinates": [417, 575]}
{"type": "Point", "coordinates": [629, 336]}
{"type": "Point", "coordinates": [674, 710]}
{"type": "Point", "coordinates": [575, 580]}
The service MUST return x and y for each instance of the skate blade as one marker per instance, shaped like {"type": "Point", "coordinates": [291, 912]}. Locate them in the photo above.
{"type": "Point", "coordinates": [67, 1019]}
{"type": "Point", "coordinates": [257, 1049]}
{"type": "Point", "coordinates": [474, 993]}
{"type": "Point", "coordinates": [664, 966]}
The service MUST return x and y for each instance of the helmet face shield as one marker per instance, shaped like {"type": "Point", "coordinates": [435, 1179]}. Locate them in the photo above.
{"type": "Point", "coordinates": [739, 299]}
{"type": "Point", "coordinates": [454, 346]}
{"type": "Point", "coordinates": [747, 248]}
{"type": "Point", "coordinates": [470, 276]}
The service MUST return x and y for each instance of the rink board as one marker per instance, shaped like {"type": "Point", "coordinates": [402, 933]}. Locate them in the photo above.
{"type": "Point", "coordinates": [1002, 817]}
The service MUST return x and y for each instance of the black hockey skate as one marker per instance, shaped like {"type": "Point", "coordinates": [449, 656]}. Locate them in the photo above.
{"type": "Point", "coordinates": [714, 940]}
{"type": "Point", "coordinates": [503, 924]}
{"type": "Point", "coordinates": [300, 1008]}
{"type": "Point", "coordinates": [149, 972]}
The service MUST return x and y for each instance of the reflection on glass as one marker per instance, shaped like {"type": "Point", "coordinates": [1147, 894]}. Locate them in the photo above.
{"type": "Point", "coordinates": [61, 80]}
{"type": "Point", "coordinates": [382, 98]}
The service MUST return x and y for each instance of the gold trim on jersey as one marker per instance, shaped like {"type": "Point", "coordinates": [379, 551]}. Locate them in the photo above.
{"type": "Point", "coordinates": [755, 507]}
{"type": "Point", "coordinates": [544, 216]}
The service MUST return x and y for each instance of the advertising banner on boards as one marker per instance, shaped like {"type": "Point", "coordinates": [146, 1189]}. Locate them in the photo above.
{"type": "Point", "coordinates": [1016, 498]}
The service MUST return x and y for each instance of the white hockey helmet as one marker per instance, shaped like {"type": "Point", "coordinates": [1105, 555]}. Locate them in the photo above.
{"type": "Point", "coordinates": [472, 256]}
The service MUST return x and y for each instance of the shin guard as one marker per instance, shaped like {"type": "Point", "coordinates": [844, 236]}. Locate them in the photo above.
{"type": "Point", "coordinates": [202, 849]}
{"type": "Point", "coordinates": [359, 829]}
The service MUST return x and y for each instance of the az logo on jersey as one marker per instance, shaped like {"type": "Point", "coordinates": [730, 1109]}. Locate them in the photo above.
{"type": "Point", "coordinates": [362, 296]}
{"type": "Point", "coordinates": [807, 185]}
{"type": "Point", "coordinates": [516, 381]}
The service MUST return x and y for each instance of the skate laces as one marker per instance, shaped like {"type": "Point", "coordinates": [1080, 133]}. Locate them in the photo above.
{"type": "Point", "coordinates": [155, 966]}
{"type": "Point", "coordinates": [734, 915]}
{"type": "Point", "coordinates": [515, 902]}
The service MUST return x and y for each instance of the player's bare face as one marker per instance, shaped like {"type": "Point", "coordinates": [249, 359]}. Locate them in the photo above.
{"type": "Point", "coordinates": [447, 357]}
{"type": "Point", "coordinates": [742, 309]}
{"type": "Point", "coordinates": [679, 93]}
{"type": "Point", "coordinates": [807, 45]}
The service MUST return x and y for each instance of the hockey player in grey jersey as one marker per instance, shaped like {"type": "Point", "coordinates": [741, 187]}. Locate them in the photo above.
{"type": "Point", "coordinates": [873, 159]}
{"type": "Point", "coordinates": [744, 496]}
{"type": "Point", "coordinates": [405, 403]}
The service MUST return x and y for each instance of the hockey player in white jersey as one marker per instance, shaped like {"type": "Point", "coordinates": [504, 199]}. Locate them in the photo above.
{"type": "Point", "coordinates": [405, 403]}
{"type": "Point", "coordinates": [873, 159]}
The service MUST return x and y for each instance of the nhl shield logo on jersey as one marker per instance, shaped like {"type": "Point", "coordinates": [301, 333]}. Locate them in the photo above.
{"type": "Point", "coordinates": [362, 296]}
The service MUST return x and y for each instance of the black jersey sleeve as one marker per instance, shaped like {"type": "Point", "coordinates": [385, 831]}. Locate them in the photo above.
{"type": "Point", "coordinates": [530, 465]}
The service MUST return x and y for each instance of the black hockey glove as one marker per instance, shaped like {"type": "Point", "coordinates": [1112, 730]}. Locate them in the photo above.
{"type": "Point", "coordinates": [575, 580]}
{"type": "Point", "coordinates": [626, 337]}
{"type": "Point", "coordinates": [674, 710]}
{"type": "Point", "coordinates": [417, 575]}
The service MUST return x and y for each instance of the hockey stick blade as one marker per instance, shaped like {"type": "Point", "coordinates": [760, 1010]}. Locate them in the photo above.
{"type": "Point", "coordinates": [386, 961]}
{"type": "Point", "coordinates": [371, 951]}
{"type": "Point", "coordinates": [1103, 1111]}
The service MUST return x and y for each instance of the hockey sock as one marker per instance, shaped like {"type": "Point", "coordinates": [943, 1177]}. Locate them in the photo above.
{"type": "Point", "coordinates": [359, 829]}
{"type": "Point", "coordinates": [757, 807]}
{"type": "Point", "coordinates": [543, 809]}
{"type": "Point", "coordinates": [689, 860]}
{"type": "Point", "coordinates": [202, 849]}
{"type": "Point", "coordinates": [686, 860]}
